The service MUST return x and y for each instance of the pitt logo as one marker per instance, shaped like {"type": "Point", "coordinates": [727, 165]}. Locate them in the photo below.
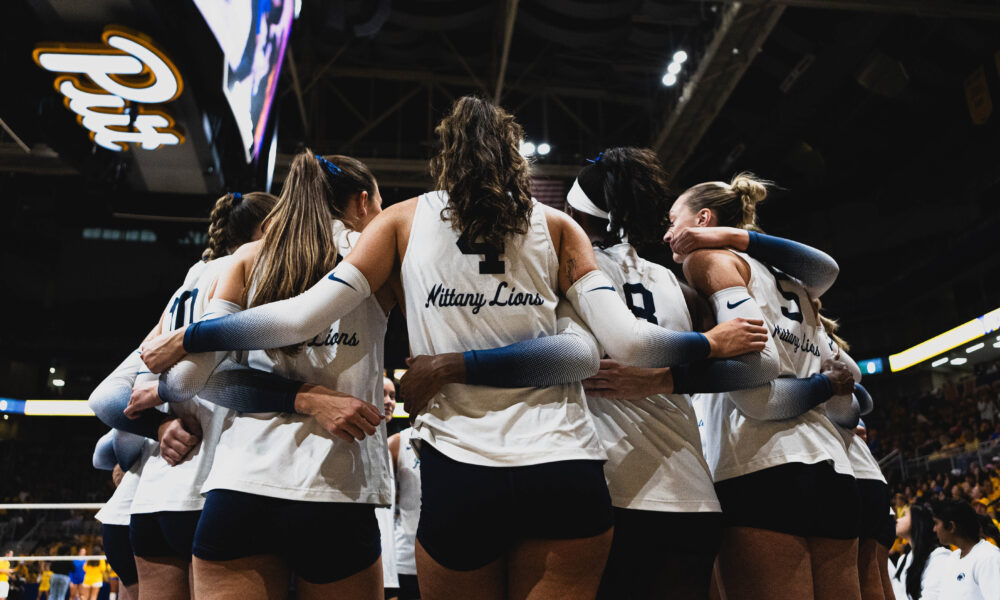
{"type": "Point", "coordinates": [108, 84]}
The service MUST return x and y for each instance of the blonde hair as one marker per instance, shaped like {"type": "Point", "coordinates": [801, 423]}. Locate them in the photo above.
{"type": "Point", "coordinates": [830, 325]}
{"type": "Point", "coordinates": [298, 248]}
{"type": "Point", "coordinates": [734, 203]}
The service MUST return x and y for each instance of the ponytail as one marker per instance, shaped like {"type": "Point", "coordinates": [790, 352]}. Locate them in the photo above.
{"type": "Point", "coordinates": [233, 220]}
{"type": "Point", "coordinates": [298, 248]}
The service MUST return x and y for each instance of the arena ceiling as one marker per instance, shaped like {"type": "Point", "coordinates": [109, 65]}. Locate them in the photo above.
{"type": "Point", "coordinates": [857, 109]}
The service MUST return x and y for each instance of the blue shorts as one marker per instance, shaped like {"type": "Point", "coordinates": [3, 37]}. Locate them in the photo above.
{"type": "Point", "coordinates": [166, 533]}
{"type": "Point", "coordinates": [795, 499]}
{"type": "Point", "coordinates": [118, 549]}
{"type": "Point", "coordinates": [321, 542]}
{"type": "Point", "coordinates": [470, 515]}
{"type": "Point", "coordinates": [653, 550]}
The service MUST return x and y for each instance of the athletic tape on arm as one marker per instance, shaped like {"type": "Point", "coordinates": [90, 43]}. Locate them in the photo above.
{"type": "Point", "coordinates": [814, 268]}
{"type": "Point", "coordinates": [569, 356]}
{"type": "Point", "coordinates": [624, 337]}
{"type": "Point", "coordinates": [185, 379]}
{"type": "Point", "coordinates": [111, 396]}
{"type": "Point", "coordinates": [286, 322]}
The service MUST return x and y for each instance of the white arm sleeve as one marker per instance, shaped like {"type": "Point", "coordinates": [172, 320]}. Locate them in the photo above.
{"type": "Point", "coordinates": [189, 376]}
{"type": "Point", "coordinates": [735, 302]}
{"type": "Point", "coordinates": [285, 322]}
{"type": "Point", "coordinates": [624, 337]}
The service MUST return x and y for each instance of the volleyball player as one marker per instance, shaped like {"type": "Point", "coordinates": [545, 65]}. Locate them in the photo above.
{"type": "Point", "coordinates": [406, 465]}
{"type": "Point", "coordinates": [386, 515]}
{"type": "Point", "coordinates": [789, 498]}
{"type": "Point", "coordinates": [877, 530]}
{"type": "Point", "coordinates": [461, 294]}
{"type": "Point", "coordinates": [302, 484]}
{"type": "Point", "coordinates": [664, 519]}
{"type": "Point", "coordinates": [115, 515]}
{"type": "Point", "coordinates": [164, 503]}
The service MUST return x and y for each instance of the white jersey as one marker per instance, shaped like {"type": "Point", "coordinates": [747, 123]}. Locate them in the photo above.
{"type": "Point", "coordinates": [408, 504]}
{"type": "Point", "coordinates": [118, 509]}
{"type": "Point", "coordinates": [459, 297]}
{"type": "Point", "coordinates": [736, 445]}
{"type": "Point", "coordinates": [178, 488]}
{"type": "Point", "coordinates": [863, 463]}
{"type": "Point", "coordinates": [654, 449]}
{"type": "Point", "coordinates": [930, 579]}
{"type": "Point", "coordinates": [291, 456]}
{"type": "Point", "coordinates": [976, 576]}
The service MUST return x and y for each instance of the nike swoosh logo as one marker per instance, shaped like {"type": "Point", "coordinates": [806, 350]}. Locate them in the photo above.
{"type": "Point", "coordinates": [333, 276]}
{"type": "Point", "coordinates": [728, 304]}
{"type": "Point", "coordinates": [604, 287]}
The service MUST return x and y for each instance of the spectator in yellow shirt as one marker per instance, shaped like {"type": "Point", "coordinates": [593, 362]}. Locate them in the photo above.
{"type": "Point", "coordinates": [5, 572]}
{"type": "Point", "coordinates": [44, 582]}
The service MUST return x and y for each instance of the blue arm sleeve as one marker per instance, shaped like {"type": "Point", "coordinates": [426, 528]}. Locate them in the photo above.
{"type": "Point", "coordinates": [625, 338]}
{"type": "Point", "coordinates": [104, 452]}
{"type": "Point", "coordinates": [247, 390]}
{"type": "Point", "coordinates": [814, 268]}
{"type": "Point", "coordinates": [128, 448]}
{"type": "Point", "coordinates": [569, 356]}
{"type": "Point", "coordinates": [783, 398]}
{"type": "Point", "coordinates": [111, 396]}
{"type": "Point", "coordinates": [285, 322]}
{"type": "Point", "coordinates": [552, 360]}
{"type": "Point", "coordinates": [865, 402]}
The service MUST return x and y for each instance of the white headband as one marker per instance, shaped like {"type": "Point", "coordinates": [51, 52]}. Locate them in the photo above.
{"type": "Point", "coordinates": [578, 199]}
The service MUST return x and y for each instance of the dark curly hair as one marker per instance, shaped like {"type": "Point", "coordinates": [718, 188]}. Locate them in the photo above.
{"type": "Point", "coordinates": [631, 185]}
{"type": "Point", "coordinates": [481, 168]}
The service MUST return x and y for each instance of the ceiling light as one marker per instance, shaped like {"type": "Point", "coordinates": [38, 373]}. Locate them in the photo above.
{"type": "Point", "coordinates": [974, 347]}
{"type": "Point", "coordinates": [959, 361]}
{"type": "Point", "coordinates": [544, 148]}
{"type": "Point", "coordinates": [939, 362]}
{"type": "Point", "coordinates": [674, 68]}
{"type": "Point", "coordinates": [527, 149]}
{"type": "Point", "coordinates": [52, 369]}
{"type": "Point", "coordinates": [669, 79]}
{"type": "Point", "coordinates": [680, 56]}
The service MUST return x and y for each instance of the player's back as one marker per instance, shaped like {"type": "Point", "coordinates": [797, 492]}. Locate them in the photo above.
{"type": "Point", "coordinates": [461, 295]}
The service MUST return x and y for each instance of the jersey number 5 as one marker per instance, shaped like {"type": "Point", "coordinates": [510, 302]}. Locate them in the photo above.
{"type": "Point", "coordinates": [648, 308]}
{"type": "Point", "coordinates": [491, 263]}
{"type": "Point", "coordinates": [795, 313]}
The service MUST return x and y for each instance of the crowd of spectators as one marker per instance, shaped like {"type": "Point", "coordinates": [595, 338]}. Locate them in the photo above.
{"type": "Point", "coordinates": [955, 418]}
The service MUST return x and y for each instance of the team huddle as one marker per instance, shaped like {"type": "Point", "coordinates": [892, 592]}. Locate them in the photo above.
{"type": "Point", "coordinates": [586, 425]}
